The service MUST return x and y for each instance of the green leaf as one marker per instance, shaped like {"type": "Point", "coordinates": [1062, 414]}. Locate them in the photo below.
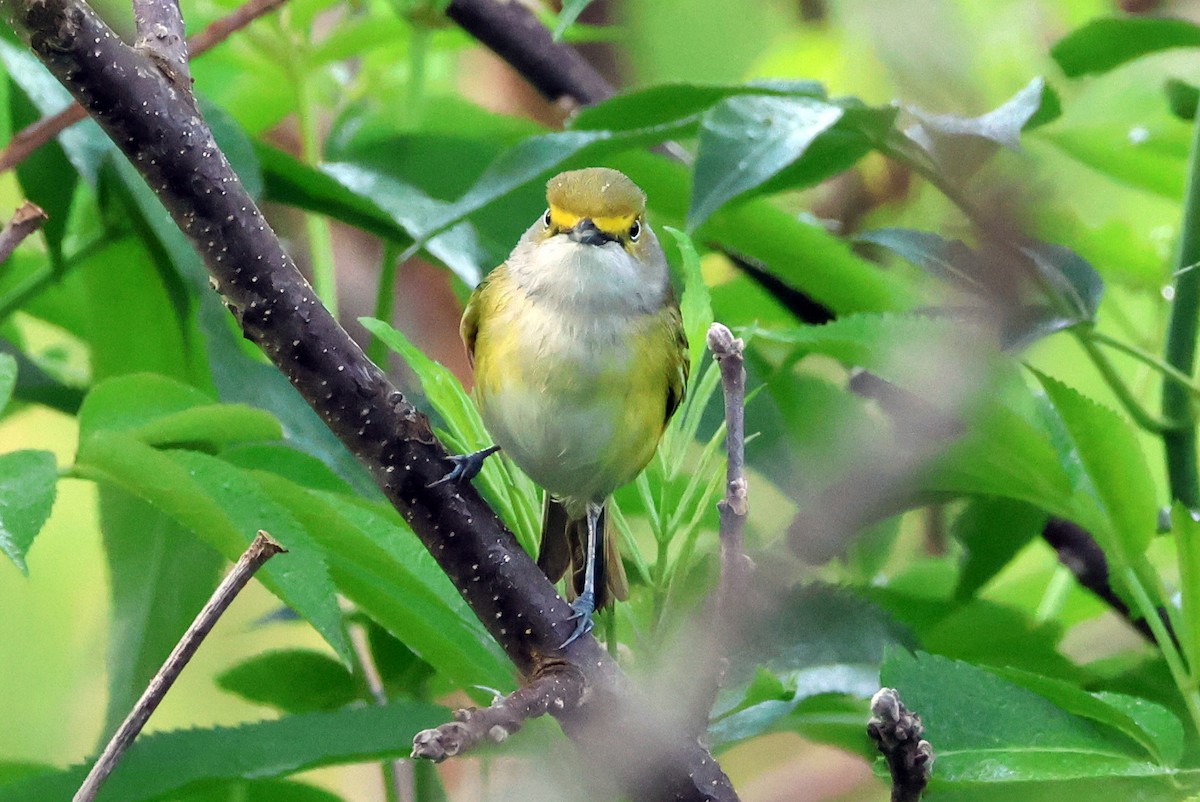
{"type": "Point", "coordinates": [212, 426]}
{"type": "Point", "coordinates": [676, 104]}
{"type": "Point", "coordinates": [513, 495]}
{"type": "Point", "coordinates": [171, 762]}
{"type": "Point", "coordinates": [1162, 740]}
{"type": "Point", "coordinates": [28, 481]}
{"type": "Point", "coordinates": [695, 304]}
{"type": "Point", "coordinates": [127, 403]}
{"type": "Point", "coordinates": [1103, 44]}
{"type": "Point", "coordinates": [225, 507]}
{"type": "Point", "coordinates": [379, 564]}
{"type": "Point", "coordinates": [571, 10]}
{"type": "Point", "coordinates": [289, 463]}
{"type": "Point", "coordinates": [254, 791]}
{"type": "Point", "coordinates": [992, 531]}
{"type": "Point", "coordinates": [744, 141]}
{"type": "Point", "coordinates": [1023, 729]}
{"type": "Point", "coordinates": [1115, 477]}
{"type": "Point", "coordinates": [948, 260]}
{"type": "Point", "coordinates": [293, 681]}
{"type": "Point", "coordinates": [8, 379]}
{"type": "Point", "coordinates": [961, 145]}
{"type": "Point", "coordinates": [1183, 98]}
{"type": "Point", "coordinates": [160, 576]}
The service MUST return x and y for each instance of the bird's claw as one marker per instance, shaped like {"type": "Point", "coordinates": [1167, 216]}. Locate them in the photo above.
{"type": "Point", "coordinates": [583, 606]}
{"type": "Point", "coordinates": [466, 466]}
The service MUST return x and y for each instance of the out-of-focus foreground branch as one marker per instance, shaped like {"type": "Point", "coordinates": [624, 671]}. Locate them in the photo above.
{"type": "Point", "coordinates": [154, 120]}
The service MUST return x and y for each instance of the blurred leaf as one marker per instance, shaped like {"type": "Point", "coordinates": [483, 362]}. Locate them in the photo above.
{"type": "Point", "coordinates": [571, 9]}
{"type": "Point", "coordinates": [960, 145]}
{"type": "Point", "coordinates": [744, 141]}
{"type": "Point", "coordinates": [236, 146]}
{"type": "Point", "coordinates": [948, 260]}
{"type": "Point", "coordinates": [677, 104]}
{"type": "Point", "coordinates": [1077, 282]}
{"type": "Point", "coordinates": [46, 176]}
{"type": "Point", "coordinates": [992, 531]}
{"type": "Point", "coordinates": [293, 681]}
{"type": "Point", "coordinates": [1115, 477]}
{"type": "Point", "coordinates": [254, 791]}
{"type": "Point", "coordinates": [512, 494]}
{"type": "Point", "coordinates": [1103, 44]}
{"type": "Point", "coordinates": [8, 379]}
{"type": "Point", "coordinates": [1182, 98]}
{"type": "Point", "coordinates": [28, 481]}
{"type": "Point", "coordinates": [402, 671]}
{"type": "Point", "coordinates": [169, 762]}
{"type": "Point", "coordinates": [160, 576]}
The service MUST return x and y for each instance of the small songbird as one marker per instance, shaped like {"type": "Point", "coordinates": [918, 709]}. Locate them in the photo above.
{"type": "Point", "coordinates": [580, 360]}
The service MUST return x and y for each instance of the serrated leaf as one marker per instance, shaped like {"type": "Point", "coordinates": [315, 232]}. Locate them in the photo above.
{"type": "Point", "coordinates": [379, 564]}
{"type": "Point", "coordinates": [744, 141]}
{"type": "Point", "coordinates": [1116, 480]}
{"type": "Point", "coordinates": [1103, 44]}
{"type": "Point", "coordinates": [164, 763]}
{"type": "Point", "coordinates": [28, 481]}
{"type": "Point", "coordinates": [293, 681]}
{"type": "Point", "coordinates": [224, 506]}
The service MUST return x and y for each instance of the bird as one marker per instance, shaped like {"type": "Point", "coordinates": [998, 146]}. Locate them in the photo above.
{"type": "Point", "coordinates": [580, 360]}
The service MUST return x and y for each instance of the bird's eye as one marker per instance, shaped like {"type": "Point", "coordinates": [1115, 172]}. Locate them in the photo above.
{"type": "Point", "coordinates": [635, 229]}
{"type": "Point", "coordinates": [546, 219]}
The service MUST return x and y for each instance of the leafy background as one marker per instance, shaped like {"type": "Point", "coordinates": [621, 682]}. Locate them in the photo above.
{"type": "Point", "coordinates": [367, 126]}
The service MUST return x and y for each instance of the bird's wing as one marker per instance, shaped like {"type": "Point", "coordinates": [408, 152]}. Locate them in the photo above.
{"type": "Point", "coordinates": [681, 364]}
{"type": "Point", "coordinates": [468, 327]}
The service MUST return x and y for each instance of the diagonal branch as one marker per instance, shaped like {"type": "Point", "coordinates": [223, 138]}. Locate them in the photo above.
{"type": "Point", "coordinates": [155, 122]}
{"type": "Point", "coordinates": [36, 134]}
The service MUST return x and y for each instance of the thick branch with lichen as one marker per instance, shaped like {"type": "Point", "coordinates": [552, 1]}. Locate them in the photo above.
{"type": "Point", "coordinates": [154, 120]}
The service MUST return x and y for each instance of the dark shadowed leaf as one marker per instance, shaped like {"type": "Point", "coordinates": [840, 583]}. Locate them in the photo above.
{"type": "Point", "coordinates": [28, 480]}
{"type": "Point", "coordinates": [293, 681]}
{"type": "Point", "coordinates": [1103, 44]}
{"type": "Point", "coordinates": [992, 530]}
{"type": "Point", "coordinates": [8, 379]}
{"type": "Point", "coordinates": [1182, 98]}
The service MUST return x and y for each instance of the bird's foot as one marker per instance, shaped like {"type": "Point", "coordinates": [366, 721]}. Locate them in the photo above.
{"type": "Point", "coordinates": [466, 466]}
{"type": "Point", "coordinates": [583, 606]}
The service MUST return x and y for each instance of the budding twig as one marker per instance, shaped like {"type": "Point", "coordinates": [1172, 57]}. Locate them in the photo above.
{"type": "Point", "coordinates": [897, 732]}
{"type": "Point", "coordinates": [262, 549]}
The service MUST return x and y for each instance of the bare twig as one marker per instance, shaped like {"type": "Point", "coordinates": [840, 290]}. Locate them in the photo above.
{"type": "Point", "coordinates": [160, 35]}
{"type": "Point", "coordinates": [173, 148]}
{"type": "Point", "coordinates": [897, 732]}
{"type": "Point", "coordinates": [395, 772]}
{"type": "Point", "coordinates": [262, 549]}
{"type": "Point", "coordinates": [27, 219]}
{"type": "Point", "coordinates": [36, 134]}
{"type": "Point", "coordinates": [558, 687]}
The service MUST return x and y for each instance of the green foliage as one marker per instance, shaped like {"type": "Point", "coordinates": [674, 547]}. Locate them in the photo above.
{"type": "Point", "coordinates": [947, 459]}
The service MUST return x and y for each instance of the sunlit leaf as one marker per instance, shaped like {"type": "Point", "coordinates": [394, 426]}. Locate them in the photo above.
{"type": "Point", "coordinates": [28, 481]}
{"type": "Point", "coordinates": [1103, 44]}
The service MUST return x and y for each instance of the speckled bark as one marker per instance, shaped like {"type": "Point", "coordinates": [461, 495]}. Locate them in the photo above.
{"type": "Point", "coordinates": [155, 122]}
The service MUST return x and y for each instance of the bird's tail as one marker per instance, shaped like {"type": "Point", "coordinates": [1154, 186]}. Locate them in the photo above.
{"type": "Point", "coordinates": [564, 547]}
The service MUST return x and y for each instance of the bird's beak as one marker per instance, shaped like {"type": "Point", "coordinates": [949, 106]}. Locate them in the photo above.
{"type": "Point", "coordinates": [586, 232]}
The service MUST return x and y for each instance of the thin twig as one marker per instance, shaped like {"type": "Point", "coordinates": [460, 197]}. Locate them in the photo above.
{"type": "Point", "coordinates": [558, 687]}
{"type": "Point", "coordinates": [160, 35]}
{"type": "Point", "coordinates": [27, 219]}
{"type": "Point", "coordinates": [396, 774]}
{"type": "Point", "coordinates": [897, 732]}
{"type": "Point", "coordinates": [262, 549]}
{"type": "Point", "coordinates": [36, 134]}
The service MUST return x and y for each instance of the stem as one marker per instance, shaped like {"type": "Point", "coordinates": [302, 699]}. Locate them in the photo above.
{"type": "Point", "coordinates": [1180, 445]}
{"type": "Point", "coordinates": [1146, 358]}
{"type": "Point", "coordinates": [395, 772]}
{"type": "Point", "coordinates": [385, 301]}
{"type": "Point", "coordinates": [262, 549]}
{"type": "Point", "coordinates": [1125, 396]}
{"type": "Point", "coordinates": [1187, 687]}
{"type": "Point", "coordinates": [320, 241]}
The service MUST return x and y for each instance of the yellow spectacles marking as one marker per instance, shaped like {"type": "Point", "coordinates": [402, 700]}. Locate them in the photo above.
{"type": "Point", "coordinates": [613, 226]}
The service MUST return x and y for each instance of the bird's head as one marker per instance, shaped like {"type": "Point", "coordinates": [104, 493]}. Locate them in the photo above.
{"type": "Point", "coordinates": [597, 207]}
